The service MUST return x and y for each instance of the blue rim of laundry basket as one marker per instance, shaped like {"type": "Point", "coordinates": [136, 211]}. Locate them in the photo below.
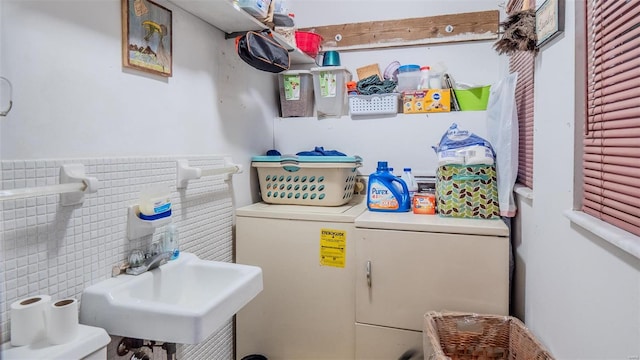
{"type": "Point", "coordinates": [307, 159]}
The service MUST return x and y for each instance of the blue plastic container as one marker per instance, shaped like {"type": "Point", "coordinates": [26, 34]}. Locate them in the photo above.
{"type": "Point", "coordinates": [383, 192]}
{"type": "Point", "coordinates": [408, 68]}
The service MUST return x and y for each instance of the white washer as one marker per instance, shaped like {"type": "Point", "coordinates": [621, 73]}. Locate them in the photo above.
{"type": "Point", "coordinates": [306, 310]}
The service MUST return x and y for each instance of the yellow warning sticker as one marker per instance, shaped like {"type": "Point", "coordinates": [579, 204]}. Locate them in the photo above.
{"type": "Point", "coordinates": [333, 247]}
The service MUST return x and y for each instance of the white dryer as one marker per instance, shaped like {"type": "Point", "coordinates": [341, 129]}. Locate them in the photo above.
{"type": "Point", "coordinates": [408, 264]}
{"type": "Point", "coordinates": [307, 256]}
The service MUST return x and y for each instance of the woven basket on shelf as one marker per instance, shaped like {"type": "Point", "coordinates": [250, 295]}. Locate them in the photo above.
{"type": "Point", "coordinates": [466, 336]}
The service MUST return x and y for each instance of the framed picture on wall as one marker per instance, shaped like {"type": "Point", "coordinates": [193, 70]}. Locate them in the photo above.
{"type": "Point", "coordinates": [549, 21]}
{"type": "Point", "coordinates": [146, 37]}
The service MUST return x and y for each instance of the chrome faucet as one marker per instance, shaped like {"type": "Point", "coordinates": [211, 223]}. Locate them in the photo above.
{"type": "Point", "coordinates": [140, 262]}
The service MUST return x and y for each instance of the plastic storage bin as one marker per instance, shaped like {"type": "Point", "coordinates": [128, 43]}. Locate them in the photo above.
{"type": "Point", "coordinates": [474, 98]}
{"type": "Point", "coordinates": [409, 81]}
{"type": "Point", "coordinates": [408, 68]}
{"type": "Point", "coordinates": [307, 180]}
{"type": "Point", "coordinates": [296, 93]}
{"type": "Point", "coordinates": [257, 8]}
{"type": "Point", "coordinates": [330, 91]}
{"type": "Point", "coordinates": [466, 336]}
{"type": "Point", "coordinates": [373, 104]}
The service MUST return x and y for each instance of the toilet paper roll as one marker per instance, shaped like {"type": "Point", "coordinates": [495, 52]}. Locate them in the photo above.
{"type": "Point", "coordinates": [448, 157]}
{"type": "Point", "coordinates": [62, 323]}
{"type": "Point", "coordinates": [478, 155]}
{"type": "Point", "coordinates": [28, 320]}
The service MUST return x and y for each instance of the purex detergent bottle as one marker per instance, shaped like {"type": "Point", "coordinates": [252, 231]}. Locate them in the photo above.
{"type": "Point", "coordinates": [383, 194]}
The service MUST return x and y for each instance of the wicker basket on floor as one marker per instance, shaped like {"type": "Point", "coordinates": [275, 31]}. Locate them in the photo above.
{"type": "Point", "coordinates": [466, 336]}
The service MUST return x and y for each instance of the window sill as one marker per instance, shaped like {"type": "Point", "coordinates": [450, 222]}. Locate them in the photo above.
{"type": "Point", "coordinates": [609, 233]}
{"type": "Point", "coordinates": [523, 191]}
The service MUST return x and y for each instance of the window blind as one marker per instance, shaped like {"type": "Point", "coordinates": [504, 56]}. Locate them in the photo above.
{"type": "Point", "coordinates": [611, 157]}
{"type": "Point", "coordinates": [523, 63]}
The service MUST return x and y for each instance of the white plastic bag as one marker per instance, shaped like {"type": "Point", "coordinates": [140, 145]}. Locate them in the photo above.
{"type": "Point", "coordinates": [464, 148]}
{"type": "Point", "coordinates": [502, 133]}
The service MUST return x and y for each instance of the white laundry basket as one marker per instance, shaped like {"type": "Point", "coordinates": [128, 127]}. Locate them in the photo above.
{"type": "Point", "coordinates": [307, 180]}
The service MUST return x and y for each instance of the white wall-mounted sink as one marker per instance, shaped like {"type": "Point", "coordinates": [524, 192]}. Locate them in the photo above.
{"type": "Point", "coordinates": [183, 301]}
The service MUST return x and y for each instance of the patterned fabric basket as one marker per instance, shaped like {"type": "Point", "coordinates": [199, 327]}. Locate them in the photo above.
{"type": "Point", "coordinates": [467, 336]}
{"type": "Point", "coordinates": [467, 191]}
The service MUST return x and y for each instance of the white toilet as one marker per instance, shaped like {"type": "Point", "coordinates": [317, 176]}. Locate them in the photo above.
{"type": "Point", "coordinates": [90, 344]}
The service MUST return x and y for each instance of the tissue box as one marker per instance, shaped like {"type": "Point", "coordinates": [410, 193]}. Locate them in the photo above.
{"type": "Point", "coordinates": [426, 101]}
{"type": "Point", "coordinates": [467, 191]}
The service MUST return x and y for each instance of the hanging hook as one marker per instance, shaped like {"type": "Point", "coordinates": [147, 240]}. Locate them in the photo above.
{"type": "Point", "coordinates": [5, 112]}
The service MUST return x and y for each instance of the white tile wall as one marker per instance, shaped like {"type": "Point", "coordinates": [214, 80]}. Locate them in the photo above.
{"type": "Point", "coordinates": [59, 250]}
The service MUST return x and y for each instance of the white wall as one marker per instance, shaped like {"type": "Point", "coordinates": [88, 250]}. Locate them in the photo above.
{"type": "Point", "coordinates": [3, 93]}
{"type": "Point", "coordinates": [47, 248]}
{"type": "Point", "coordinates": [578, 293]}
{"type": "Point", "coordinates": [72, 97]}
{"type": "Point", "coordinates": [403, 140]}
{"type": "Point", "coordinates": [73, 100]}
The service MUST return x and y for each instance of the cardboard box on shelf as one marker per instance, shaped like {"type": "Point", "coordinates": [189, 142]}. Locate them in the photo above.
{"type": "Point", "coordinates": [366, 71]}
{"type": "Point", "coordinates": [426, 101]}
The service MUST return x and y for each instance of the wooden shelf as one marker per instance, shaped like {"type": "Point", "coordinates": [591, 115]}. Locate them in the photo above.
{"type": "Point", "coordinates": [230, 18]}
{"type": "Point", "coordinates": [440, 29]}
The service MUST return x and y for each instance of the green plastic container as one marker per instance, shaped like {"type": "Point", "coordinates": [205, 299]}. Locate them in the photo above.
{"type": "Point", "coordinates": [474, 98]}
